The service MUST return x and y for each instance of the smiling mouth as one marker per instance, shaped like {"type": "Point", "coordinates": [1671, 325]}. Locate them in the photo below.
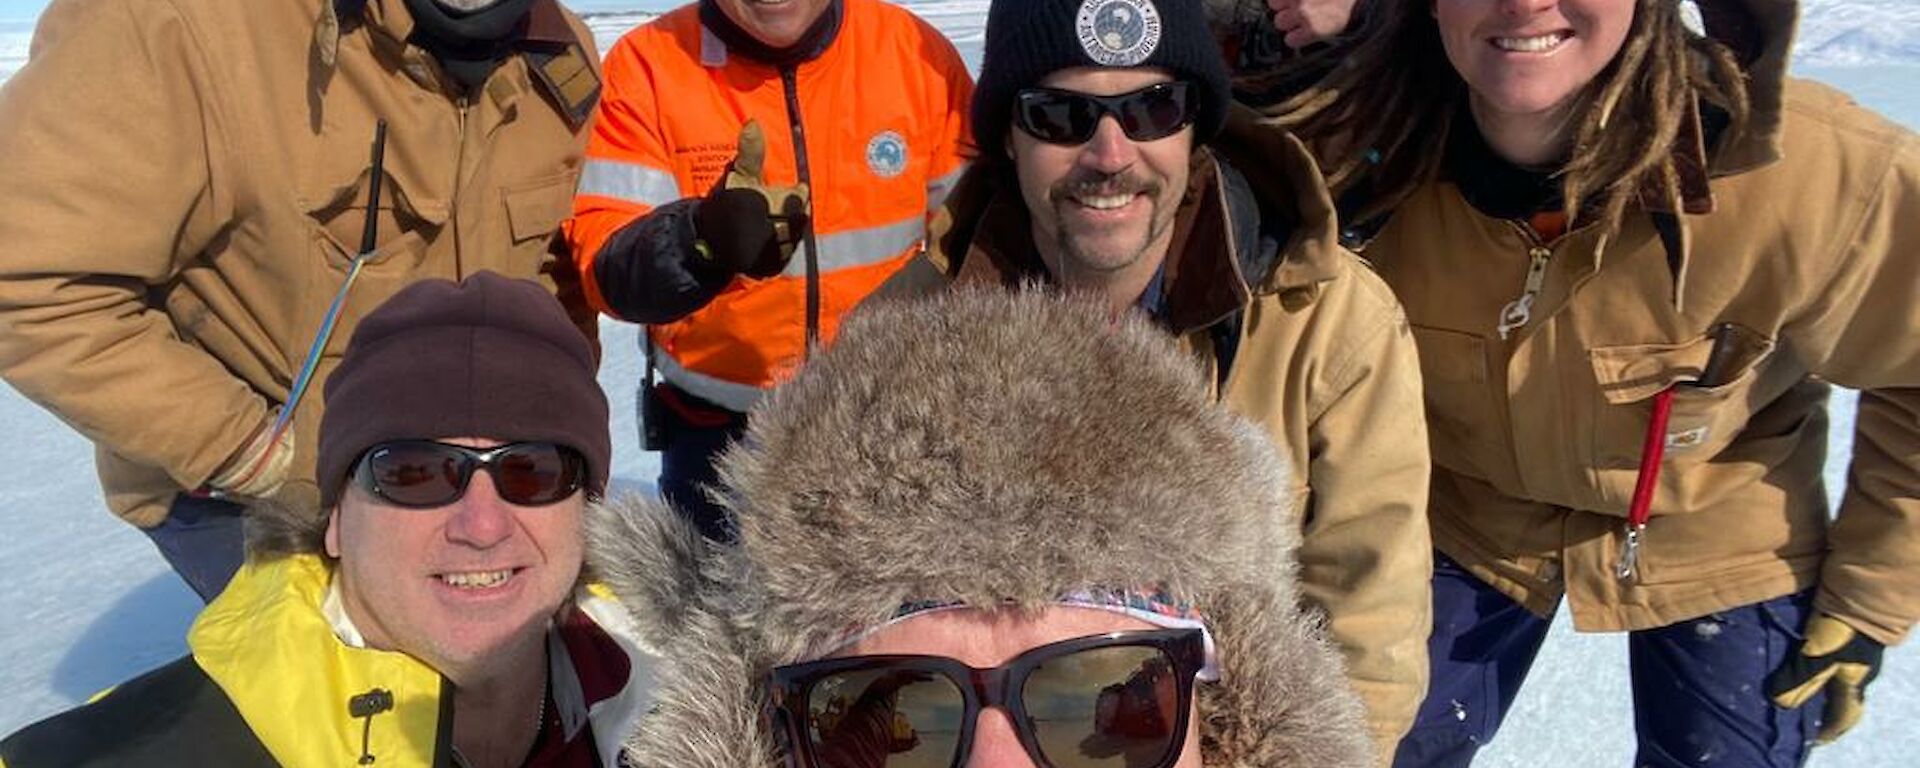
{"type": "Point", "coordinates": [1532, 44]}
{"type": "Point", "coordinates": [477, 579]}
{"type": "Point", "coordinates": [1104, 202]}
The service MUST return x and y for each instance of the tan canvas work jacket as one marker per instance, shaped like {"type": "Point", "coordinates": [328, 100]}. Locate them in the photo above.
{"type": "Point", "coordinates": [1810, 254]}
{"type": "Point", "coordinates": [185, 187]}
{"type": "Point", "coordinates": [1321, 358]}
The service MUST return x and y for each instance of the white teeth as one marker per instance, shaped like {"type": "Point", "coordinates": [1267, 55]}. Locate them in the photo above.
{"type": "Point", "coordinates": [1537, 44]}
{"type": "Point", "coordinates": [1106, 202]}
{"type": "Point", "coordinates": [479, 580]}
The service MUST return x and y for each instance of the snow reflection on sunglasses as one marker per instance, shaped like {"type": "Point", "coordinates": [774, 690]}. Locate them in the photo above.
{"type": "Point", "coordinates": [1069, 118]}
{"type": "Point", "coordinates": [422, 474]}
{"type": "Point", "coordinates": [1114, 700]}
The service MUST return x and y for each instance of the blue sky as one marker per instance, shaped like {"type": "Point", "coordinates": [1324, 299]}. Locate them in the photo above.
{"type": "Point", "coordinates": [21, 9]}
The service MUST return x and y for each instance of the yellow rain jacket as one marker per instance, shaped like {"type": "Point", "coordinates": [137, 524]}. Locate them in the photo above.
{"type": "Point", "coordinates": [270, 682]}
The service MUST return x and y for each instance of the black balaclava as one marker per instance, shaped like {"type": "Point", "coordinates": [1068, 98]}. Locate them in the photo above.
{"type": "Point", "coordinates": [469, 44]}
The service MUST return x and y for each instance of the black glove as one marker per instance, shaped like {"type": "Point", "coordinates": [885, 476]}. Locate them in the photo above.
{"type": "Point", "coordinates": [1834, 657]}
{"type": "Point", "coordinates": [745, 226]}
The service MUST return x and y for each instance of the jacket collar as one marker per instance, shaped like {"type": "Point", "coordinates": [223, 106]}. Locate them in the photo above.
{"type": "Point", "coordinates": [293, 666]}
{"type": "Point", "coordinates": [546, 24]}
{"type": "Point", "coordinates": [1761, 33]}
{"type": "Point", "coordinates": [270, 648]}
{"type": "Point", "coordinates": [1286, 179]}
{"type": "Point", "coordinates": [719, 36]}
{"type": "Point", "coordinates": [1202, 281]}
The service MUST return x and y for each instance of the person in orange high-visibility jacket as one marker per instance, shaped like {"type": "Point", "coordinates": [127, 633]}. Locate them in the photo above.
{"type": "Point", "coordinates": [754, 173]}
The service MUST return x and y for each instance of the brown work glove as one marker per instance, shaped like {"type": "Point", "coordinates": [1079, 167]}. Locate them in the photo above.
{"type": "Point", "coordinates": [1836, 658]}
{"type": "Point", "coordinates": [260, 467]}
{"type": "Point", "coordinates": [745, 225]}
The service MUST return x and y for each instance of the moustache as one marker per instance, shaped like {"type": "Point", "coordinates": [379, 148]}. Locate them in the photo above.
{"type": "Point", "coordinates": [1080, 185]}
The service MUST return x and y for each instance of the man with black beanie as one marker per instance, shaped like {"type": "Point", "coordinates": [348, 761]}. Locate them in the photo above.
{"type": "Point", "coordinates": [433, 612]}
{"type": "Point", "coordinates": [1114, 163]}
{"type": "Point", "coordinates": [190, 184]}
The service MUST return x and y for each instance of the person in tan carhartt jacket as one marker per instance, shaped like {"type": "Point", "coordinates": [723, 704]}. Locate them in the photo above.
{"type": "Point", "coordinates": [1296, 333]}
{"type": "Point", "coordinates": [186, 185]}
{"type": "Point", "coordinates": [1775, 222]}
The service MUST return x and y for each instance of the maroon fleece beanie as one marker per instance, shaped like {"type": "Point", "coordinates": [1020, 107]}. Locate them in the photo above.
{"type": "Point", "coordinates": [488, 357]}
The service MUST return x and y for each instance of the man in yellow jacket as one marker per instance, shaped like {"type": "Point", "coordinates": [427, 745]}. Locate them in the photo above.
{"type": "Point", "coordinates": [187, 187]}
{"type": "Point", "coordinates": [438, 616]}
{"type": "Point", "coordinates": [1112, 162]}
{"type": "Point", "coordinates": [756, 169]}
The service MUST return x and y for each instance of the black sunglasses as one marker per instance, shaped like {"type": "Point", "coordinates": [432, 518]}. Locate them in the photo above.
{"type": "Point", "coordinates": [421, 474]}
{"type": "Point", "coordinates": [1118, 700]}
{"type": "Point", "coordinates": [1070, 117]}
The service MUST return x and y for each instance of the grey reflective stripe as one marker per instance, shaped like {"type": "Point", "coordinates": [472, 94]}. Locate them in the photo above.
{"type": "Point", "coordinates": [629, 181]}
{"type": "Point", "coordinates": [861, 247]}
{"type": "Point", "coordinates": [938, 189]}
{"type": "Point", "coordinates": [713, 52]}
{"type": "Point", "coordinates": [731, 395]}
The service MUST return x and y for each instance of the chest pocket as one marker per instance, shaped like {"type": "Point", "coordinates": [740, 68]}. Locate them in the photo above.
{"type": "Point", "coordinates": [1704, 422]}
{"type": "Point", "coordinates": [406, 221]}
{"type": "Point", "coordinates": [1464, 413]}
{"type": "Point", "coordinates": [534, 212]}
{"type": "Point", "coordinates": [536, 208]}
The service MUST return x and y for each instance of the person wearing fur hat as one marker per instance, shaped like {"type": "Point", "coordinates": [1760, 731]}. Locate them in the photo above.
{"type": "Point", "coordinates": [1113, 161]}
{"type": "Point", "coordinates": [1012, 482]}
{"type": "Point", "coordinates": [438, 618]}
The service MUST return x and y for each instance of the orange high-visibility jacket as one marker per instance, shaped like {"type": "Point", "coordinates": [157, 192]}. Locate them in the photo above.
{"type": "Point", "coordinates": [881, 117]}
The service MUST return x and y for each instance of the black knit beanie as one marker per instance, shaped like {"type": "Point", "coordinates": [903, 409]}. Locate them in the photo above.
{"type": "Point", "coordinates": [488, 357]}
{"type": "Point", "coordinates": [1026, 40]}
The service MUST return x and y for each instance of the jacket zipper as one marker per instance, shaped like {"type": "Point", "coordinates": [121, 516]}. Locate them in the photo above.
{"type": "Point", "coordinates": [462, 107]}
{"type": "Point", "coordinates": [1517, 313]}
{"type": "Point", "coordinates": [789, 82]}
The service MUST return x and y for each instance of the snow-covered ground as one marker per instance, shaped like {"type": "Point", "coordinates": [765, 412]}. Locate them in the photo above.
{"type": "Point", "coordinates": [90, 603]}
{"type": "Point", "coordinates": [1858, 32]}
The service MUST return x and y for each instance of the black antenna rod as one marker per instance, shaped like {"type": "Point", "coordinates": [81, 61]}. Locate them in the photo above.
{"type": "Point", "coordinates": [370, 235]}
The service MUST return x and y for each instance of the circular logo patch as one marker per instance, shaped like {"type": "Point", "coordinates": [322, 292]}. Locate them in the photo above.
{"type": "Point", "coordinates": [887, 154]}
{"type": "Point", "coordinates": [1119, 33]}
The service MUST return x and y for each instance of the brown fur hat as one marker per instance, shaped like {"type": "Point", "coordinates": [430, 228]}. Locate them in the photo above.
{"type": "Point", "coordinates": [989, 447]}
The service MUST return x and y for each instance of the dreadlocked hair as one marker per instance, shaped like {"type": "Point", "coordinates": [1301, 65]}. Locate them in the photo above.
{"type": "Point", "coordinates": [1380, 118]}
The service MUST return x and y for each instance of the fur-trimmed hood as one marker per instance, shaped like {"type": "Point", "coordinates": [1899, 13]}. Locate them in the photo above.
{"type": "Point", "coordinates": [984, 446]}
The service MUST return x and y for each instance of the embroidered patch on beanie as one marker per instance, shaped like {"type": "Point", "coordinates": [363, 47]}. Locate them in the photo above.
{"type": "Point", "coordinates": [1118, 33]}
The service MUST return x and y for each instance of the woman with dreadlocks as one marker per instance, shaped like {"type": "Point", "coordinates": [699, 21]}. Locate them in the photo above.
{"type": "Point", "coordinates": [1635, 256]}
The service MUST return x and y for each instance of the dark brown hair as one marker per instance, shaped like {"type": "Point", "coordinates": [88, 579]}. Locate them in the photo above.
{"type": "Point", "coordinates": [1381, 115]}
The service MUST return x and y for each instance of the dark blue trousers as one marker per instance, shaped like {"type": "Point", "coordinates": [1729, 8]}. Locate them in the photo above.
{"type": "Point", "coordinates": [203, 541]}
{"type": "Point", "coordinates": [1698, 686]}
{"type": "Point", "coordinates": [686, 468]}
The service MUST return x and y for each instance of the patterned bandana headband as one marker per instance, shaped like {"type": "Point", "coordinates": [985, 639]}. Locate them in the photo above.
{"type": "Point", "coordinates": [1154, 607]}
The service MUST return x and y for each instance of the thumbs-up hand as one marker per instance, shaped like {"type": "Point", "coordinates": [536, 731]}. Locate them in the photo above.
{"type": "Point", "coordinates": [745, 225]}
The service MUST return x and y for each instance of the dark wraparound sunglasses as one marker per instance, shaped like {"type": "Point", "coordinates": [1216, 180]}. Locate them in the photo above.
{"type": "Point", "coordinates": [1118, 700]}
{"type": "Point", "coordinates": [1070, 117]}
{"type": "Point", "coordinates": [421, 474]}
